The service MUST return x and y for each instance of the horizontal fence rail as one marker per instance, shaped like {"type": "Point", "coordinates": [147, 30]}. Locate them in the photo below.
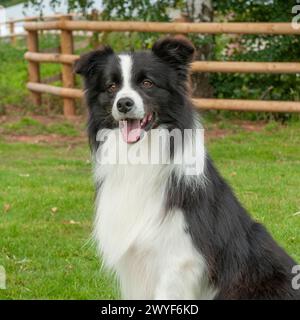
{"type": "Point", "coordinates": [198, 66]}
{"type": "Point", "coordinates": [11, 24]}
{"type": "Point", "coordinates": [246, 67]}
{"type": "Point", "coordinates": [217, 104]}
{"type": "Point", "coordinates": [66, 25]}
{"type": "Point", "coordinates": [51, 57]}
{"type": "Point", "coordinates": [166, 27]}
{"type": "Point", "coordinates": [57, 91]}
{"type": "Point", "coordinates": [35, 18]}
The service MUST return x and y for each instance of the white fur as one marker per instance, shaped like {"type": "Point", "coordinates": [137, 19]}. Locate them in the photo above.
{"type": "Point", "coordinates": [127, 91]}
{"type": "Point", "coordinates": [148, 248]}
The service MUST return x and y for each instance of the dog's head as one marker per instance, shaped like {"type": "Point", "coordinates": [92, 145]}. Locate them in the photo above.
{"type": "Point", "coordinates": [137, 91]}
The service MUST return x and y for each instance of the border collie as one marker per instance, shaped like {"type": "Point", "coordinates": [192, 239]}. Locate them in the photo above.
{"type": "Point", "coordinates": [167, 233]}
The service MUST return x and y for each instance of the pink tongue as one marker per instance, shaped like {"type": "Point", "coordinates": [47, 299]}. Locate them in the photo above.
{"type": "Point", "coordinates": [131, 130]}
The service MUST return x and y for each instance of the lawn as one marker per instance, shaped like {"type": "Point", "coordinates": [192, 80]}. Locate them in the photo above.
{"type": "Point", "coordinates": [46, 206]}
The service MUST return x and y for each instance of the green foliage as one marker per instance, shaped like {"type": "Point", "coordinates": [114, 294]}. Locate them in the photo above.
{"type": "Point", "coordinates": [257, 48]}
{"type": "Point", "coordinates": [8, 3]}
{"type": "Point", "coordinates": [145, 10]}
{"type": "Point", "coordinates": [73, 5]}
{"type": "Point", "coordinates": [256, 10]}
{"type": "Point", "coordinates": [142, 10]}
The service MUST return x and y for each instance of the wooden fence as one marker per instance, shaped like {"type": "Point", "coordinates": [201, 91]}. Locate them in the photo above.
{"type": "Point", "coordinates": [12, 24]}
{"type": "Point", "coordinates": [67, 58]}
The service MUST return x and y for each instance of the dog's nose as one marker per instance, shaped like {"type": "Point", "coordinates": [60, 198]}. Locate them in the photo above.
{"type": "Point", "coordinates": [124, 105]}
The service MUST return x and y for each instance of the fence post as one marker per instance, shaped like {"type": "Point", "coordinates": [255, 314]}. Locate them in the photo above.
{"type": "Point", "coordinates": [66, 44]}
{"type": "Point", "coordinates": [95, 35]}
{"type": "Point", "coordinates": [34, 67]}
{"type": "Point", "coordinates": [13, 39]}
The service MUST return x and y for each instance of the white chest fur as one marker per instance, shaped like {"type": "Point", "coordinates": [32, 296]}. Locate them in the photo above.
{"type": "Point", "coordinates": [148, 248]}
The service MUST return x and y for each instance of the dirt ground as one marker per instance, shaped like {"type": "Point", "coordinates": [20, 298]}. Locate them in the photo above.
{"type": "Point", "coordinates": [212, 131]}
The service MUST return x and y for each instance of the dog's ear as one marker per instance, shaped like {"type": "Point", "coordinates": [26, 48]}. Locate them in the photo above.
{"type": "Point", "coordinates": [176, 50]}
{"type": "Point", "coordinates": [88, 62]}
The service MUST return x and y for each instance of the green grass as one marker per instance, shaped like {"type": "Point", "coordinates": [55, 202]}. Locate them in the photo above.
{"type": "Point", "coordinates": [29, 126]}
{"type": "Point", "coordinates": [47, 253]}
{"type": "Point", "coordinates": [14, 75]}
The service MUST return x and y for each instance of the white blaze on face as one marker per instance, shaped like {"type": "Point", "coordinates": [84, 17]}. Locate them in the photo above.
{"type": "Point", "coordinates": [127, 91]}
{"type": "Point", "coordinates": [131, 129]}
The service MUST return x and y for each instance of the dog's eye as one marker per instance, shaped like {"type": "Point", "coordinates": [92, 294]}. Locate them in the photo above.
{"type": "Point", "coordinates": [111, 88]}
{"type": "Point", "coordinates": [147, 83]}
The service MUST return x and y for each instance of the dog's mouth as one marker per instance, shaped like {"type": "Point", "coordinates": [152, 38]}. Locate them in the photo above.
{"type": "Point", "coordinates": [133, 129]}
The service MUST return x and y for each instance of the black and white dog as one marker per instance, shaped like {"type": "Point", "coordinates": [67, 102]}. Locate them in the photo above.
{"type": "Point", "coordinates": [166, 233]}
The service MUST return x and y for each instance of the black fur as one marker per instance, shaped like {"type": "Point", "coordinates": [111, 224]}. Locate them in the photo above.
{"type": "Point", "coordinates": [244, 261]}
